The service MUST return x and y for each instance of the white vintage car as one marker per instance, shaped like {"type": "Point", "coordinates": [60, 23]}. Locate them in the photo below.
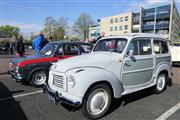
{"type": "Point", "coordinates": [118, 65]}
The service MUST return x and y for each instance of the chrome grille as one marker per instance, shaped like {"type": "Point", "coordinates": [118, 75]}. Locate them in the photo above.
{"type": "Point", "coordinates": [59, 81]}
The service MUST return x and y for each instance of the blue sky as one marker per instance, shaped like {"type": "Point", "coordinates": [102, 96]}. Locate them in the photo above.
{"type": "Point", "coordinates": [29, 15]}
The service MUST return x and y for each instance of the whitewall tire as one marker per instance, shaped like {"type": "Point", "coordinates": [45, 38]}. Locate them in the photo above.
{"type": "Point", "coordinates": [97, 101]}
{"type": "Point", "coordinates": [161, 83]}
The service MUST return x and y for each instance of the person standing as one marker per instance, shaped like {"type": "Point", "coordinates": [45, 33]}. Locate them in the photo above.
{"type": "Point", "coordinates": [101, 36]}
{"type": "Point", "coordinates": [11, 48]}
{"type": "Point", "coordinates": [37, 43]}
{"type": "Point", "coordinates": [20, 47]}
{"type": "Point", "coordinates": [45, 41]}
{"type": "Point", "coordinates": [7, 46]}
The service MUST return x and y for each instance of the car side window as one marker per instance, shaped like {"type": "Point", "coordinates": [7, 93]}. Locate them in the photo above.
{"type": "Point", "coordinates": [164, 47]}
{"type": "Point", "coordinates": [157, 47]}
{"type": "Point", "coordinates": [160, 47]}
{"type": "Point", "coordinates": [70, 49]}
{"type": "Point", "coordinates": [60, 50]}
{"type": "Point", "coordinates": [85, 48]}
{"type": "Point", "coordinates": [145, 47]}
{"type": "Point", "coordinates": [133, 46]}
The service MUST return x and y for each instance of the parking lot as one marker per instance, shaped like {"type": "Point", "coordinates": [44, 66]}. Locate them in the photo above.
{"type": "Point", "coordinates": [21, 101]}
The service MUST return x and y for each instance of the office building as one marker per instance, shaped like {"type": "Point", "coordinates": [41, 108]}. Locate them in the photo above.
{"type": "Point", "coordinates": [164, 20]}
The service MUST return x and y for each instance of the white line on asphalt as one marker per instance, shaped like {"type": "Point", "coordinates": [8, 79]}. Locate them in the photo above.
{"type": "Point", "coordinates": [169, 112]}
{"type": "Point", "coordinates": [21, 95]}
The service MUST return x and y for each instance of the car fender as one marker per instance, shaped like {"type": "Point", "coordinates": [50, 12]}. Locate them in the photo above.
{"type": "Point", "coordinates": [163, 67]}
{"type": "Point", "coordinates": [36, 69]}
{"type": "Point", "coordinates": [86, 77]}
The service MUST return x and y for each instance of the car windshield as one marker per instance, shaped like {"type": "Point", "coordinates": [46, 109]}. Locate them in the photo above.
{"type": "Point", "coordinates": [49, 49]}
{"type": "Point", "coordinates": [112, 45]}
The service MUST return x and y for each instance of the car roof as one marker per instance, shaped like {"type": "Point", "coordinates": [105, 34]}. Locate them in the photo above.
{"type": "Point", "coordinates": [134, 35]}
{"type": "Point", "coordinates": [66, 41]}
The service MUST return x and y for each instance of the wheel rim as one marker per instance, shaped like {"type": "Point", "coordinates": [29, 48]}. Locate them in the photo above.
{"type": "Point", "coordinates": [161, 82]}
{"type": "Point", "coordinates": [39, 78]}
{"type": "Point", "coordinates": [97, 102]}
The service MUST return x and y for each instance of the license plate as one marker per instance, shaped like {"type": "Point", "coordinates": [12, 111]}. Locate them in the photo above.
{"type": "Point", "coordinates": [52, 99]}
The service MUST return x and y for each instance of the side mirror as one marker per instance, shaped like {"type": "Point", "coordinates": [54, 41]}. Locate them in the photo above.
{"type": "Point", "coordinates": [130, 53]}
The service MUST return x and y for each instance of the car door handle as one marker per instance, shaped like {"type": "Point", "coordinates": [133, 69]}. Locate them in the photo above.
{"type": "Point", "coordinates": [127, 63]}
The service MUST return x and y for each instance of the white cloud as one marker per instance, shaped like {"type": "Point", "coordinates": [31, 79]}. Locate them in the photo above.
{"type": "Point", "coordinates": [25, 28]}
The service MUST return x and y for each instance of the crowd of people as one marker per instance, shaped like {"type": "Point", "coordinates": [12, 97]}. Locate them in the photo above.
{"type": "Point", "coordinates": [37, 44]}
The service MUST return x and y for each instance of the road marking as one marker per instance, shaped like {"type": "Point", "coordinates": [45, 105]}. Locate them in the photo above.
{"type": "Point", "coordinates": [21, 95]}
{"type": "Point", "coordinates": [169, 112]}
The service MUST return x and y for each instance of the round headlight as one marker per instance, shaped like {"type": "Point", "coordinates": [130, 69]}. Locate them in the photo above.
{"type": "Point", "coordinates": [71, 81]}
{"type": "Point", "coordinates": [17, 68]}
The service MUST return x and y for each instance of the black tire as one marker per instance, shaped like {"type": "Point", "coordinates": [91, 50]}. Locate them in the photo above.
{"type": "Point", "coordinates": [162, 76]}
{"type": "Point", "coordinates": [88, 98]}
{"type": "Point", "coordinates": [34, 82]}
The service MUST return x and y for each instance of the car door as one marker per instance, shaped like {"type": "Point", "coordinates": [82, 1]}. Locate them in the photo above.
{"type": "Point", "coordinates": [138, 67]}
{"type": "Point", "coordinates": [161, 52]}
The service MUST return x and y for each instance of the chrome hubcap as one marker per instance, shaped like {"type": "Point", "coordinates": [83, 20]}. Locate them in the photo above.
{"type": "Point", "coordinates": [39, 78]}
{"type": "Point", "coordinates": [97, 101]}
{"type": "Point", "coordinates": [161, 82]}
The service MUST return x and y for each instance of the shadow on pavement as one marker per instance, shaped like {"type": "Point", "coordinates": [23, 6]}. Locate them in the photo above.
{"type": "Point", "coordinates": [123, 101]}
{"type": "Point", "coordinates": [10, 109]}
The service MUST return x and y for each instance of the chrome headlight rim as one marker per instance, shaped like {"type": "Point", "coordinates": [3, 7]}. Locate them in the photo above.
{"type": "Point", "coordinates": [71, 81]}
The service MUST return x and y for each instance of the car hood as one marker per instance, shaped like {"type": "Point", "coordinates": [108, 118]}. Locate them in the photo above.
{"type": "Point", "coordinates": [96, 59]}
{"type": "Point", "coordinates": [29, 57]}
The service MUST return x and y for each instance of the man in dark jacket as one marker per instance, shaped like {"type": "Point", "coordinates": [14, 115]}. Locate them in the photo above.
{"type": "Point", "coordinates": [101, 36]}
{"type": "Point", "coordinates": [7, 46]}
{"type": "Point", "coordinates": [20, 46]}
{"type": "Point", "coordinates": [45, 41]}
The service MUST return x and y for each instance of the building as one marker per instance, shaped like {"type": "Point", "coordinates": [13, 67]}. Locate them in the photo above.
{"type": "Point", "coordinates": [164, 20]}
{"type": "Point", "coordinates": [118, 24]}
{"type": "Point", "coordinates": [94, 31]}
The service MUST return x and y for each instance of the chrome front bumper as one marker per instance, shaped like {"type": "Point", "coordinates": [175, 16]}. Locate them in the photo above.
{"type": "Point", "coordinates": [14, 75]}
{"type": "Point", "coordinates": [57, 97]}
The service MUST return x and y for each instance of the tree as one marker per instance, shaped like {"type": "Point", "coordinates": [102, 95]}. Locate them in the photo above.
{"type": "Point", "coordinates": [61, 29]}
{"type": "Point", "coordinates": [82, 25]}
{"type": "Point", "coordinates": [13, 30]}
{"type": "Point", "coordinates": [49, 25]}
{"type": "Point", "coordinates": [59, 33]}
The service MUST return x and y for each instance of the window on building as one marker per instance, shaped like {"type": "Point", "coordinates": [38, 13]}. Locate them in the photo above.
{"type": "Point", "coordinates": [111, 28]}
{"type": "Point", "coordinates": [126, 27]}
{"type": "Point", "coordinates": [115, 28]}
{"type": "Point", "coordinates": [121, 19]}
{"type": "Point", "coordinates": [116, 20]}
{"type": "Point", "coordinates": [120, 27]}
{"type": "Point", "coordinates": [126, 18]}
{"type": "Point", "coordinates": [111, 20]}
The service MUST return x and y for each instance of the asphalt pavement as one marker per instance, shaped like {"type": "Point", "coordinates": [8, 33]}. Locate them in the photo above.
{"type": "Point", "coordinates": [23, 102]}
